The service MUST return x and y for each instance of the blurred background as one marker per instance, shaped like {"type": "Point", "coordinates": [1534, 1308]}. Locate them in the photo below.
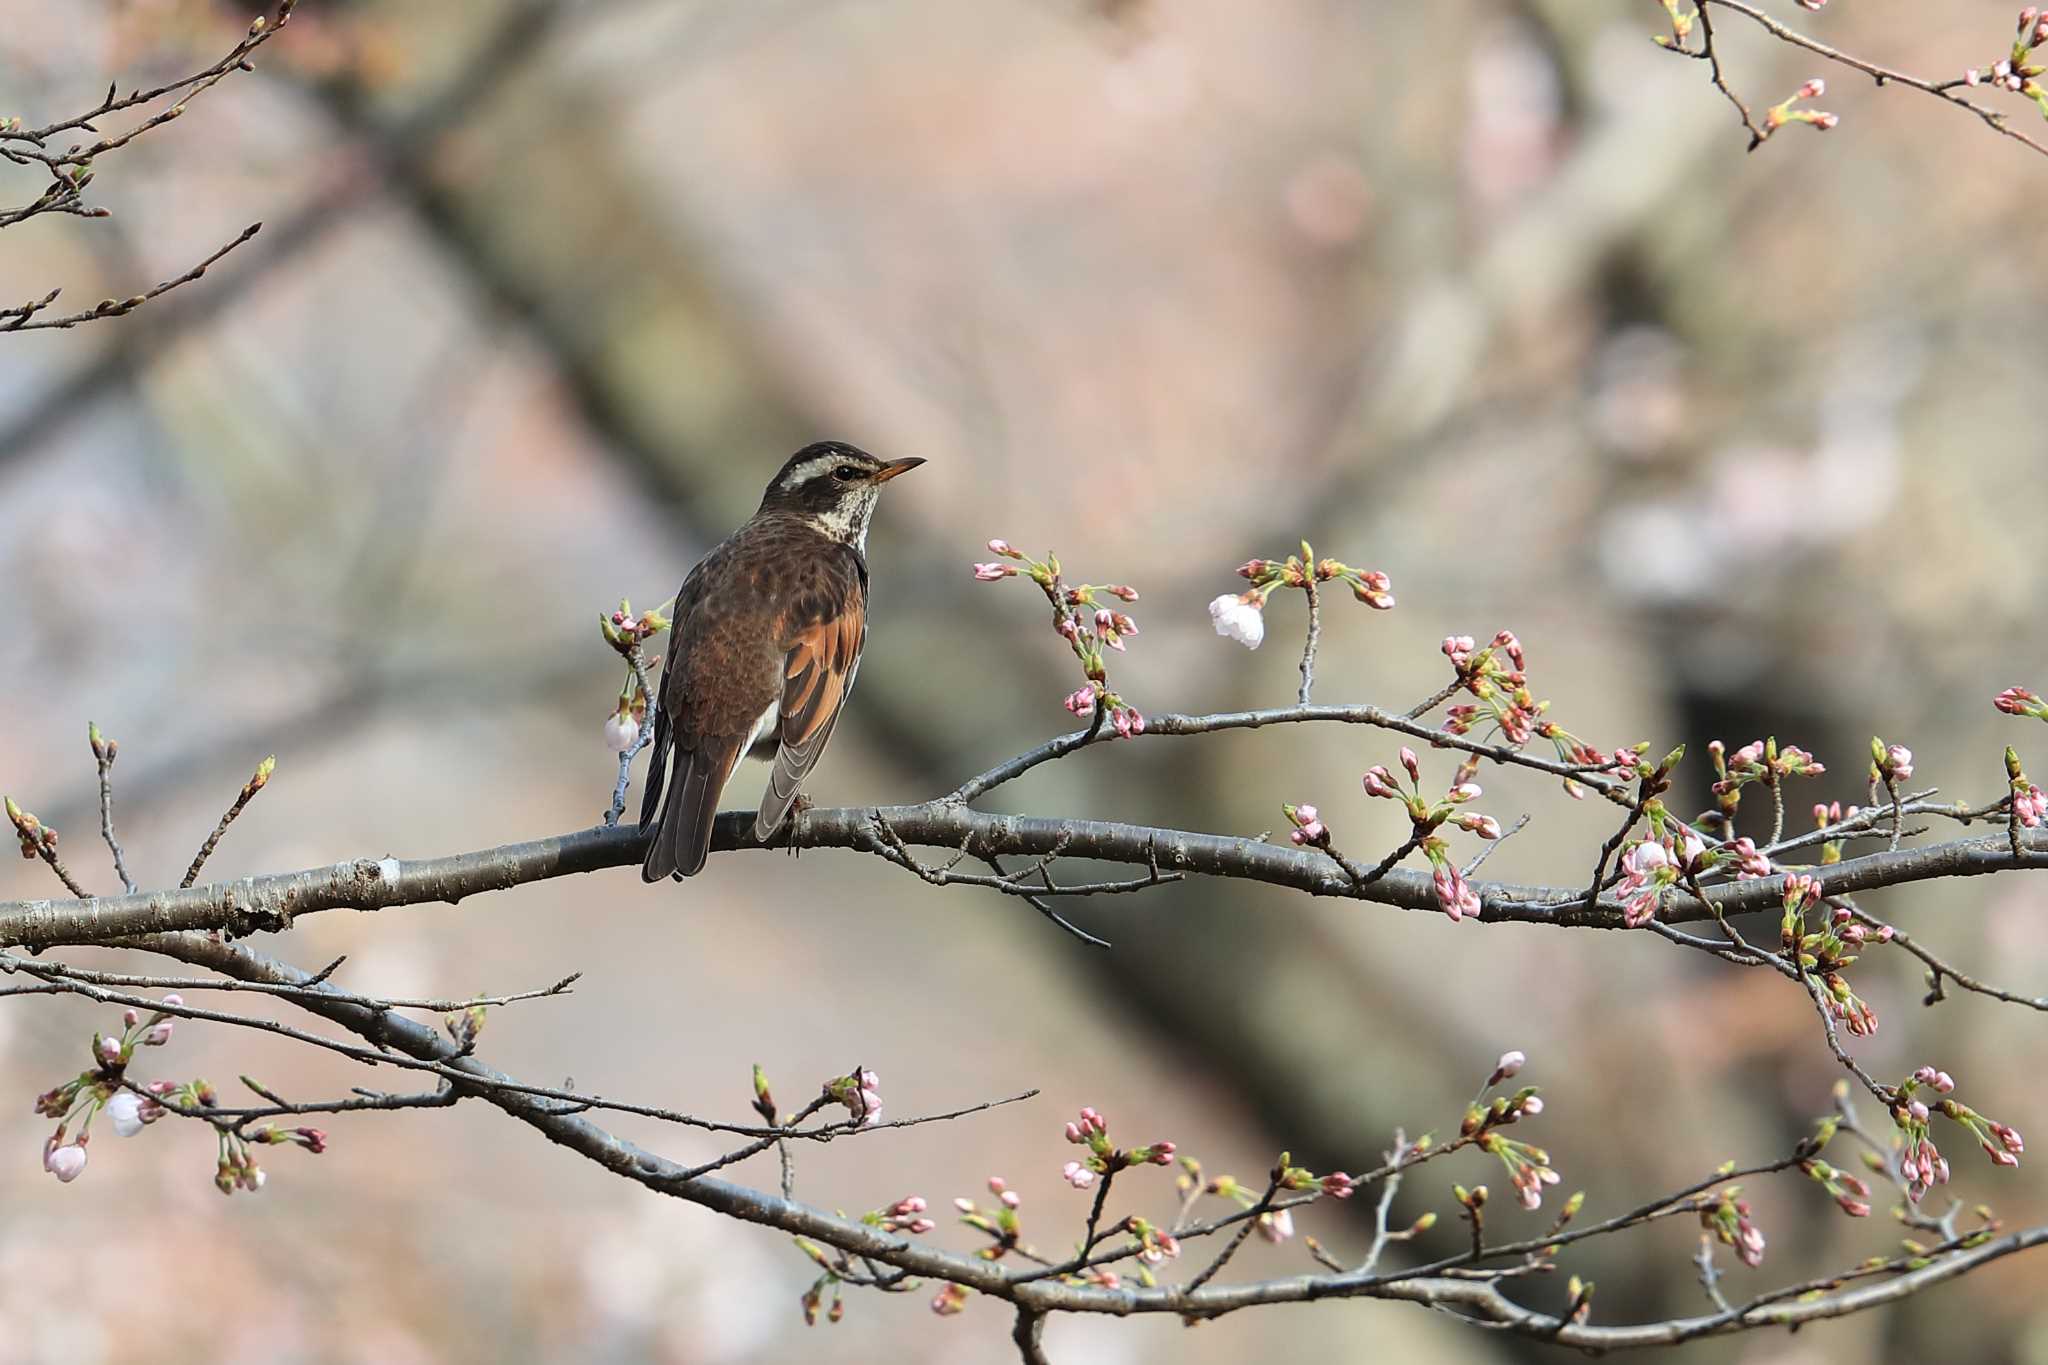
{"type": "Point", "coordinates": [1488, 296]}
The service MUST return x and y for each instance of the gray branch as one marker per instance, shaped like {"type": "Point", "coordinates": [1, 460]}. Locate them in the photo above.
{"type": "Point", "coordinates": [270, 903]}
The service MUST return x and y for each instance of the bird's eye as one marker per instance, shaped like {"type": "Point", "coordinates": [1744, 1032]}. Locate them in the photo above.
{"type": "Point", "coordinates": [846, 472]}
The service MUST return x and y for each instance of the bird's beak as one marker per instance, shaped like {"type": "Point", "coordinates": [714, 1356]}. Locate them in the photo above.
{"type": "Point", "coordinates": [895, 467]}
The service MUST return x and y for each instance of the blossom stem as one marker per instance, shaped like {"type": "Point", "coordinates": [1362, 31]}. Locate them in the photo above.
{"type": "Point", "coordinates": [1315, 635]}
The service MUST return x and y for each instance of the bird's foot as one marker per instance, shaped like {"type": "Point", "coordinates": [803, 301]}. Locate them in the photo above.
{"type": "Point", "coordinates": [797, 810]}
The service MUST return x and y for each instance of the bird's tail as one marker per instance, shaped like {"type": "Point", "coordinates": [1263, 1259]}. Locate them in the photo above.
{"type": "Point", "coordinates": [682, 832]}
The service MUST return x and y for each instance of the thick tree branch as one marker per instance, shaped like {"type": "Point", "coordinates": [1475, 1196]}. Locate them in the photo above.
{"type": "Point", "coordinates": [270, 903]}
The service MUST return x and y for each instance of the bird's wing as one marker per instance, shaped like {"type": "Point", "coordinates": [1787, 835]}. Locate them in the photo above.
{"type": "Point", "coordinates": [818, 672]}
{"type": "Point", "coordinates": [707, 705]}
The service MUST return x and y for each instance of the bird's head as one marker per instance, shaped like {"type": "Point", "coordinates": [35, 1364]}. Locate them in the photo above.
{"type": "Point", "coordinates": [835, 486]}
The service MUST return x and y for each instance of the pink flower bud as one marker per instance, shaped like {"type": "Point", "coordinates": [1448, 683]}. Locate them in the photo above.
{"type": "Point", "coordinates": [1373, 589]}
{"type": "Point", "coordinates": [619, 732]}
{"type": "Point", "coordinates": [1380, 782]}
{"type": "Point", "coordinates": [1813, 89]}
{"type": "Point", "coordinates": [1454, 894]}
{"type": "Point", "coordinates": [1077, 1175]}
{"type": "Point", "coordinates": [1277, 1226]}
{"type": "Point", "coordinates": [1081, 701]}
{"type": "Point", "coordinates": [1509, 1065]}
{"type": "Point", "coordinates": [1409, 761]}
{"type": "Point", "coordinates": [992, 571]}
{"type": "Point", "coordinates": [1003, 547]}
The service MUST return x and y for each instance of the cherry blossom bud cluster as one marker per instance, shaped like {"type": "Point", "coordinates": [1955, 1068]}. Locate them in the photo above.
{"type": "Point", "coordinates": [1335, 1185]}
{"type": "Point", "coordinates": [314, 1140]}
{"type": "Point", "coordinates": [1154, 1244]}
{"type": "Point", "coordinates": [1086, 621]}
{"type": "Point", "coordinates": [105, 1088]}
{"type": "Point", "coordinates": [1454, 894]}
{"type": "Point", "coordinates": [1297, 571]}
{"type": "Point", "coordinates": [1424, 813]}
{"type": "Point", "coordinates": [35, 836]}
{"type": "Point", "coordinates": [1760, 760]}
{"type": "Point", "coordinates": [1649, 867]}
{"type": "Point", "coordinates": [1000, 1223]}
{"type": "Point", "coordinates": [905, 1215]}
{"type": "Point", "coordinates": [1748, 860]}
{"type": "Point", "coordinates": [2029, 802]}
{"type": "Point", "coordinates": [1780, 114]}
{"type": "Point", "coordinates": [1890, 764]}
{"type": "Point", "coordinates": [1091, 1130]}
{"type": "Point", "coordinates": [1827, 951]}
{"type": "Point", "coordinates": [1528, 1167]}
{"type": "Point", "coordinates": [1728, 1219]}
{"type": "Point", "coordinates": [1839, 819]}
{"type": "Point", "coordinates": [1920, 1164]}
{"type": "Point", "coordinates": [861, 1093]}
{"type": "Point", "coordinates": [2020, 69]}
{"type": "Point", "coordinates": [1939, 1081]}
{"type": "Point", "coordinates": [2018, 701]}
{"type": "Point", "coordinates": [1484, 1115]}
{"type": "Point", "coordinates": [623, 629]}
{"type": "Point", "coordinates": [1241, 616]}
{"type": "Point", "coordinates": [1496, 678]}
{"type": "Point", "coordinates": [1852, 1192]}
{"type": "Point", "coordinates": [1309, 829]}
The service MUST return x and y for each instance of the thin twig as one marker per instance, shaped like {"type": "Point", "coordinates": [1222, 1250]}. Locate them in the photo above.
{"type": "Point", "coordinates": [255, 784]}
{"type": "Point", "coordinates": [1244, 1230]}
{"type": "Point", "coordinates": [641, 738]}
{"type": "Point", "coordinates": [103, 751]}
{"type": "Point", "coordinates": [1315, 634]}
{"type": "Point", "coordinates": [1712, 54]}
{"type": "Point", "coordinates": [24, 317]}
{"type": "Point", "coordinates": [58, 971]}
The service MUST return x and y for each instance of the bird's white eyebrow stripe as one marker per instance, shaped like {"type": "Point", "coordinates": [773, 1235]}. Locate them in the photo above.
{"type": "Point", "coordinates": [810, 469]}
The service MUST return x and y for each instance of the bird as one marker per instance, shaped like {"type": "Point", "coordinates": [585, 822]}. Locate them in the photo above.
{"type": "Point", "coordinates": [764, 643]}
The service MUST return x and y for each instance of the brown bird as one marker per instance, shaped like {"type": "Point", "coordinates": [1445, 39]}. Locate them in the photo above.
{"type": "Point", "coordinates": [766, 640]}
